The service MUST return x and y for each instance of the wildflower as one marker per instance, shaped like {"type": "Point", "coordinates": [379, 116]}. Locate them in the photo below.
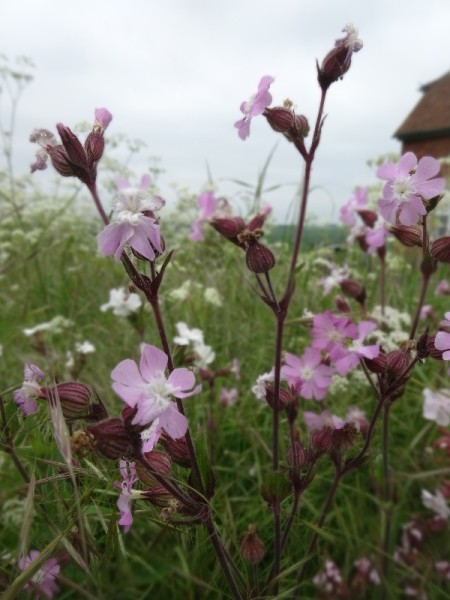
{"type": "Point", "coordinates": [128, 472]}
{"type": "Point", "coordinates": [426, 311]}
{"type": "Point", "coordinates": [133, 223]}
{"type": "Point", "coordinates": [317, 421]}
{"type": "Point", "coordinates": [70, 158]}
{"type": "Point", "coordinates": [330, 581]}
{"type": "Point", "coordinates": [147, 389]}
{"type": "Point", "coordinates": [212, 296]}
{"type": "Point", "coordinates": [442, 339]}
{"type": "Point", "coordinates": [43, 581]}
{"type": "Point", "coordinates": [204, 355]}
{"type": "Point", "coordinates": [334, 278]}
{"type": "Point", "coordinates": [347, 357]}
{"type": "Point", "coordinates": [259, 389]}
{"type": "Point", "coordinates": [25, 397]}
{"type": "Point", "coordinates": [442, 288]}
{"type": "Point", "coordinates": [337, 62]}
{"type": "Point", "coordinates": [182, 292]}
{"type": "Point", "coordinates": [228, 397]}
{"type": "Point", "coordinates": [236, 368]}
{"type": "Point", "coordinates": [437, 503]}
{"type": "Point", "coordinates": [307, 374]}
{"type": "Point", "coordinates": [329, 332]}
{"type": "Point", "coordinates": [367, 570]}
{"type": "Point", "coordinates": [436, 406]}
{"type": "Point", "coordinates": [252, 548]}
{"type": "Point", "coordinates": [207, 203]}
{"type": "Point", "coordinates": [84, 348]}
{"type": "Point", "coordinates": [187, 336]}
{"type": "Point", "coordinates": [122, 303]}
{"type": "Point", "coordinates": [254, 106]}
{"type": "Point", "coordinates": [56, 325]}
{"type": "Point", "coordinates": [350, 208]}
{"type": "Point", "coordinates": [408, 183]}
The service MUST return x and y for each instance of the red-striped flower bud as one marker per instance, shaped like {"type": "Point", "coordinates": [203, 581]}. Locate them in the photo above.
{"type": "Point", "coordinates": [353, 289]}
{"type": "Point", "coordinates": [408, 236]}
{"type": "Point", "coordinates": [259, 258]}
{"type": "Point", "coordinates": [111, 438]}
{"type": "Point", "coordinates": [440, 249]}
{"type": "Point", "coordinates": [252, 548]}
{"type": "Point", "coordinates": [74, 397]}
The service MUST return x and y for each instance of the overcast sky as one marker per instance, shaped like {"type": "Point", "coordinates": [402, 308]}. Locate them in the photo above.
{"type": "Point", "coordinates": [174, 74]}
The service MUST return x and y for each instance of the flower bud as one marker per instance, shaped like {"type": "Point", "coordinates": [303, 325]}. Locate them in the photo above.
{"type": "Point", "coordinates": [177, 450]}
{"type": "Point", "coordinates": [337, 62]}
{"type": "Point", "coordinates": [111, 438]}
{"type": "Point", "coordinates": [322, 440]}
{"type": "Point", "coordinates": [376, 365]}
{"type": "Point", "coordinates": [342, 305]}
{"type": "Point", "coordinates": [397, 362]}
{"type": "Point", "coordinates": [408, 236]}
{"type": "Point", "coordinates": [422, 346]}
{"type": "Point", "coordinates": [433, 351]}
{"type": "Point", "coordinates": [61, 161]}
{"type": "Point", "coordinates": [94, 146]}
{"type": "Point", "coordinates": [252, 548]}
{"type": "Point", "coordinates": [440, 249]}
{"type": "Point", "coordinates": [158, 496]}
{"type": "Point", "coordinates": [72, 145]}
{"type": "Point", "coordinates": [259, 258]}
{"type": "Point", "coordinates": [302, 456]}
{"type": "Point", "coordinates": [368, 217]}
{"type": "Point", "coordinates": [74, 397]}
{"type": "Point", "coordinates": [157, 461]}
{"type": "Point", "coordinates": [229, 228]}
{"type": "Point", "coordinates": [281, 119]}
{"type": "Point", "coordinates": [353, 289]}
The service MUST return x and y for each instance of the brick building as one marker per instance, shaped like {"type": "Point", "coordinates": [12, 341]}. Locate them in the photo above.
{"type": "Point", "coordinates": [426, 130]}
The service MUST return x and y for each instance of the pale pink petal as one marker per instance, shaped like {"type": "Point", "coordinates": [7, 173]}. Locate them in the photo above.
{"type": "Point", "coordinates": [140, 242]}
{"type": "Point", "coordinates": [183, 379]}
{"type": "Point", "coordinates": [427, 168]}
{"type": "Point", "coordinates": [127, 373]}
{"type": "Point", "coordinates": [146, 181]}
{"type": "Point", "coordinates": [406, 164]}
{"type": "Point", "coordinates": [196, 390]}
{"type": "Point", "coordinates": [442, 340]}
{"type": "Point", "coordinates": [173, 422]}
{"type": "Point", "coordinates": [153, 361]}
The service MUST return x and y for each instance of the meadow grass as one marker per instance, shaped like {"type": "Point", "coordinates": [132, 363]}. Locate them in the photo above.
{"type": "Point", "coordinates": [54, 269]}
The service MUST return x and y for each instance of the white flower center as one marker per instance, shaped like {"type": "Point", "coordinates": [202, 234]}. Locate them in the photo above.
{"type": "Point", "coordinates": [129, 206]}
{"type": "Point", "coordinates": [403, 189]}
{"type": "Point", "coordinates": [306, 373]}
{"type": "Point", "coordinates": [160, 391]}
{"type": "Point", "coordinates": [249, 104]}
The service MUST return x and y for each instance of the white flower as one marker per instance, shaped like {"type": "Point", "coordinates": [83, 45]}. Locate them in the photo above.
{"type": "Point", "coordinates": [85, 347]}
{"type": "Point", "coordinates": [212, 296]}
{"type": "Point", "coordinates": [182, 292]}
{"type": "Point", "coordinates": [436, 406]}
{"type": "Point", "coordinates": [187, 336]}
{"type": "Point", "coordinates": [56, 325]}
{"type": "Point", "coordinates": [204, 355]}
{"type": "Point", "coordinates": [437, 503]}
{"type": "Point", "coordinates": [70, 361]}
{"type": "Point", "coordinates": [259, 389]}
{"type": "Point", "coordinates": [122, 303]}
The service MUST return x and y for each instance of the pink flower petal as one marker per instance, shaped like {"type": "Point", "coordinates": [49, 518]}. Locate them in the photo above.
{"type": "Point", "coordinates": [153, 361]}
{"type": "Point", "coordinates": [183, 379]}
{"type": "Point", "coordinates": [173, 422]}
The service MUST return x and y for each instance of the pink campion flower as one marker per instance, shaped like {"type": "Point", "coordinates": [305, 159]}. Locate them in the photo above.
{"type": "Point", "coordinates": [129, 476]}
{"type": "Point", "coordinates": [259, 389]}
{"type": "Point", "coordinates": [149, 390]}
{"type": "Point", "coordinates": [426, 312]}
{"type": "Point", "coordinates": [102, 118]}
{"type": "Point", "coordinates": [442, 339]}
{"type": "Point", "coordinates": [236, 368]}
{"type": "Point", "coordinates": [150, 436]}
{"type": "Point", "coordinates": [25, 397]}
{"type": "Point", "coordinates": [132, 226]}
{"type": "Point", "coordinates": [347, 213]}
{"type": "Point", "coordinates": [408, 184]}
{"type": "Point", "coordinates": [228, 397]}
{"type": "Point", "coordinates": [317, 421]}
{"type": "Point", "coordinates": [442, 288]}
{"type": "Point", "coordinates": [375, 236]}
{"type": "Point", "coordinates": [43, 583]}
{"type": "Point", "coordinates": [307, 374]}
{"type": "Point", "coordinates": [347, 357]}
{"type": "Point", "coordinates": [207, 203]}
{"type": "Point", "coordinates": [333, 279]}
{"type": "Point", "coordinates": [330, 332]}
{"type": "Point", "coordinates": [254, 106]}
{"type": "Point", "coordinates": [436, 406]}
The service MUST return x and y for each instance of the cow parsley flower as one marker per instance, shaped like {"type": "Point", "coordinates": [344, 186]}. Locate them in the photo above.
{"type": "Point", "coordinates": [122, 303]}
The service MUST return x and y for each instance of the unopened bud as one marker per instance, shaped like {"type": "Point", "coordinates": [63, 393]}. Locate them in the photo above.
{"type": "Point", "coordinates": [73, 146]}
{"type": "Point", "coordinates": [298, 455]}
{"type": "Point", "coordinates": [378, 364]}
{"type": "Point", "coordinates": [94, 146]}
{"type": "Point", "coordinates": [111, 438]}
{"type": "Point", "coordinates": [368, 217]}
{"type": "Point", "coordinates": [353, 289]}
{"type": "Point", "coordinates": [158, 496]}
{"type": "Point", "coordinates": [422, 346]}
{"type": "Point", "coordinates": [259, 258]}
{"type": "Point", "coordinates": [74, 397]}
{"type": "Point", "coordinates": [397, 362]}
{"type": "Point", "coordinates": [252, 548]}
{"type": "Point", "coordinates": [177, 450]}
{"type": "Point", "coordinates": [157, 461]}
{"type": "Point", "coordinates": [61, 162]}
{"type": "Point", "coordinates": [342, 305]}
{"type": "Point", "coordinates": [229, 228]}
{"type": "Point", "coordinates": [440, 249]}
{"type": "Point", "coordinates": [322, 440]}
{"type": "Point", "coordinates": [280, 118]}
{"type": "Point", "coordinates": [408, 236]}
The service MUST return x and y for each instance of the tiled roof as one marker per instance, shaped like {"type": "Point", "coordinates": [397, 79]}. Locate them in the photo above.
{"type": "Point", "coordinates": [431, 115]}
